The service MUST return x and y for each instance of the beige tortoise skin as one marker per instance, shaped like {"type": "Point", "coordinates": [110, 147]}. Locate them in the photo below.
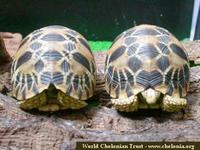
{"type": "Point", "coordinates": [53, 69]}
{"type": "Point", "coordinates": [147, 67]}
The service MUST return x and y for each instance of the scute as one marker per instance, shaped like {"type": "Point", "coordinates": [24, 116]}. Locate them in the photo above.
{"type": "Point", "coordinates": [163, 63]}
{"type": "Point", "coordinates": [53, 37]}
{"type": "Point", "coordinates": [148, 50]}
{"type": "Point", "coordinates": [178, 50]}
{"type": "Point", "coordinates": [117, 53]}
{"type": "Point", "coordinates": [146, 32]}
{"type": "Point", "coordinates": [35, 37]}
{"type": "Point", "coordinates": [134, 63]}
{"type": "Point", "coordinates": [83, 42]}
{"type": "Point", "coordinates": [35, 45]}
{"type": "Point", "coordinates": [65, 66]}
{"type": "Point", "coordinates": [54, 55]}
{"type": "Point", "coordinates": [81, 59]}
{"type": "Point", "coordinates": [39, 66]}
{"type": "Point", "coordinates": [132, 49]}
{"type": "Point", "coordinates": [130, 40]}
{"type": "Point", "coordinates": [70, 46]}
{"type": "Point", "coordinates": [149, 79]}
{"type": "Point", "coordinates": [23, 59]}
{"type": "Point", "coordinates": [163, 48]}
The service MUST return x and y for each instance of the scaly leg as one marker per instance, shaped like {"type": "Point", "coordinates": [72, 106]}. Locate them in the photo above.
{"type": "Point", "coordinates": [34, 102]}
{"type": "Point", "coordinates": [172, 104]}
{"type": "Point", "coordinates": [69, 102]}
{"type": "Point", "coordinates": [127, 105]}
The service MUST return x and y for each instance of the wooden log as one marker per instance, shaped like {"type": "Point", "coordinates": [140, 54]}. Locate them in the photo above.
{"type": "Point", "coordinates": [193, 50]}
{"type": "Point", "coordinates": [97, 122]}
{"type": "Point", "coordinates": [9, 43]}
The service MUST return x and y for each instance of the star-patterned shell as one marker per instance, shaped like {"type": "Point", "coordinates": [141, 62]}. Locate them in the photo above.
{"type": "Point", "coordinates": [143, 57]}
{"type": "Point", "coordinates": [53, 55]}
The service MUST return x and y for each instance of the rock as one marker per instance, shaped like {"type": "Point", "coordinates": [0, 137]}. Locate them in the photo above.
{"type": "Point", "coordinates": [4, 56]}
{"type": "Point", "coordinates": [193, 49]}
{"type": "Point", "coordinates": [12, 42]}
{"type": "Point", "coordinates": [100, 122]}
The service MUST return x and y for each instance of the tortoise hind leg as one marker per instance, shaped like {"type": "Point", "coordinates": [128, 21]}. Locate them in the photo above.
{"type": "Point", "coordinates": [34, 102]}
{"type": "Point", "coordinates": [67, 102]}
{"type": "Point", "coordinates": [128, 105]}
{"type": "Point", "coordinates": [173, 103]}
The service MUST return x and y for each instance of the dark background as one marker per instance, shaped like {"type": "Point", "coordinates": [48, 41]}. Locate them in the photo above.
{"type": "Point", "coordinates": [96, 19]}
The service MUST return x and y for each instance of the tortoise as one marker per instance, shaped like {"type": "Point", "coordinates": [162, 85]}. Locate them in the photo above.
{"type": "Point", "coordinates": [53, 69]}
{"type": "Point", "coordinates": [147, 68]}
